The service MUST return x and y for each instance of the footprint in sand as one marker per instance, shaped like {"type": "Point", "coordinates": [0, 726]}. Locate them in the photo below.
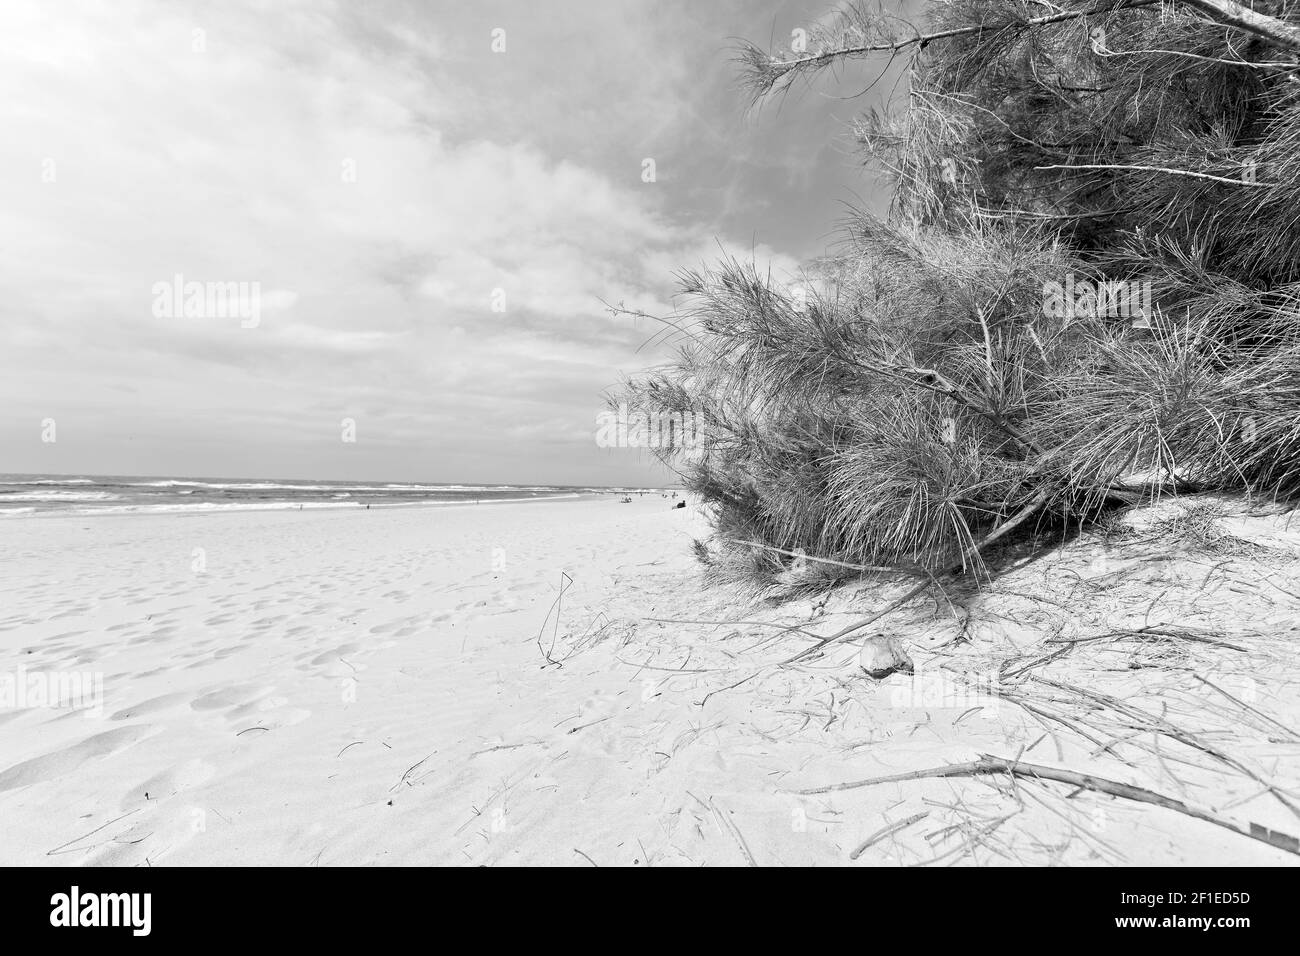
{"type": "Point", "coordinates": [61, 762]}
{"type": "Point", "coordinates": [71, 612]}
{"type": "Point", "coordinates": [170, 782]}
{"type": "Point", "coordinates": [235, 695]}
{"type": "Point", "coordinates": [331, 656]}
{"type": "Point", "coordinates": [342, 668]}
{"type": "Point", "coordinates": [150, 706]}
{"type": "Point", "coordinates": [153, 638]}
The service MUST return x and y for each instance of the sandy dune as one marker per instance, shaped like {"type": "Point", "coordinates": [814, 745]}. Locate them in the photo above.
{"type": "Point", "coordinates": [367, 687]}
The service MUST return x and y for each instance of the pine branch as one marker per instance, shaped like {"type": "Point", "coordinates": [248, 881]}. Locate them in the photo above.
{"type": "Point", "coordinates": [1159, 169]}
{"type": "Point", "coordinates": [773, 68]}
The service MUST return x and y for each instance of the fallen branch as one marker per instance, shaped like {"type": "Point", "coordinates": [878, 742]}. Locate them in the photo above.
{"type": "Point", "coordinates": [887, 831]}
{"type": "Point", "coordinates": [1153, 630]}
{"type": "Point", "coordinates": [1148, 721]}
{"type": "Point", "coordinates": [987, 764]}
{"type": "Point", "coordinates": [725, 823]}
{"type": "Point", "coordinates": [809, 557]}
{"type": "Point", "coordinates": [997, 533]}
{"type": "Point", "coordinates": [1281, 32]}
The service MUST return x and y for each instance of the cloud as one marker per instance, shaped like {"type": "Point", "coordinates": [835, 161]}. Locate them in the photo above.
{"type": "Point", "coordinates": [433, 228]}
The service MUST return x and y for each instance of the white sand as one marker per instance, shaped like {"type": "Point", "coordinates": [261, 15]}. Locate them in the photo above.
{"type": "Point", "coordinates": [363, 642]}
{"type": "Point", "coordinates": [366, 687]}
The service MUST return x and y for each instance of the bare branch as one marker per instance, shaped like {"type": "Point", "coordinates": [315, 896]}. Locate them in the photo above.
{"type": "Point", "coordinates": [1235, 15]}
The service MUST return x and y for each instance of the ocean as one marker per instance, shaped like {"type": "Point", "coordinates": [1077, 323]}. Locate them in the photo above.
{"type": "Point", "coordinates": [30, 494]}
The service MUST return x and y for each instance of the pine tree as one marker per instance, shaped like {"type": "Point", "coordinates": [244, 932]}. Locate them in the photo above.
{"type": "Point", "coordinates": [1084, 292]}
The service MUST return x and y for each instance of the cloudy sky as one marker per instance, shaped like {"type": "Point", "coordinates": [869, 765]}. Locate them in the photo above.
{"type": "Point", "coordinates": [386, 179]}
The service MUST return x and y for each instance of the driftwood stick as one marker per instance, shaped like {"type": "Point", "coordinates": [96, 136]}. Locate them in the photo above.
{"type": "Point", "coordinates": [1154, 630]}
{"type": "Point", "coordinates": [871, 619]}
{"type": "Point", "coordinates": [987, 764]}
{"type": "Point", "coordinates": [887, 831]}
{"type": "Point", "coordinates": [817, 560]}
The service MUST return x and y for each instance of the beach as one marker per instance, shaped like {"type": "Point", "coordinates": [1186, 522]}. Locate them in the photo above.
{"type": "Point", "coordinates": [278, 686]}
{"type": "Point", "coordinates": [400, 686]}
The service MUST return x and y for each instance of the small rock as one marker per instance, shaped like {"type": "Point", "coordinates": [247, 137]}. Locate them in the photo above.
{"type": "Point", "coordinates": [881, 656]}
